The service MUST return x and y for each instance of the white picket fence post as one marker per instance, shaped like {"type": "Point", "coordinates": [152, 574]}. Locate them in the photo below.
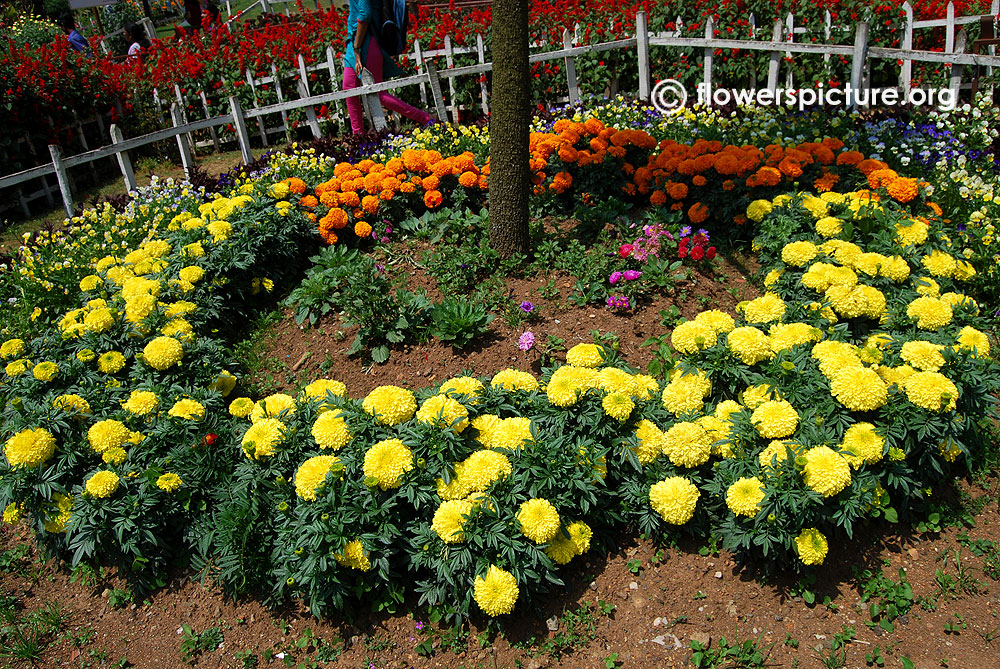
{"type": "Point", "coordinates": [63, 178]}
{"type": "Point", "coordinates": [128, 174]}
{"type": "Point", "coordinates": [642, 52]}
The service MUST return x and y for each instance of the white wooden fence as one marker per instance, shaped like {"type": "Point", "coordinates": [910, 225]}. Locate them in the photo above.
{"type": "Point", "coordinates": [430, 81]}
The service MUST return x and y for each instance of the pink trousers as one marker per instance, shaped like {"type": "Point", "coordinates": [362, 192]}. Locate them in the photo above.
{"type": "Point", "coordinates": [373, 63]}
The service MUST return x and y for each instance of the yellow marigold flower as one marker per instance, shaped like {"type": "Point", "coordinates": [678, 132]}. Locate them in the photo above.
{"type": "Point", "coordinates": [106, 434]}
{"type": "Point", "coordinates": [484, 424]}
{"type": "Point", "coordinates": [929, 312]}
{"type": "Point", "coordinates": [90, 282]}
{"type": "Point", "coordinates": [950, 450]}
{"type": "Point", "coordinates": [539, 520]}
{"type": "Point", "coordinates": [777, 451]}
{"type": "Point", "coordinates": [181, 308]}
{"type": "Point", "coordinates": [580, 534]}
{"type": "Point", "coordinates": [85, 355]}
{"type": "Point", "coordinates": [141, 403]}
{"type": "Point", "coordinates": [859, 389]}
{"type": "Point", "coordinates": [718, 431]}
{"type": "Point", "coordinates": [922, 355]}
{"type": "Point", "coordinates": [646, 387]}
{"type": "Point", "coordinates": [690, 337]}
{"type": "Point", "coordinates": [829, 226]}
{"type": "Point", "coordinates": [744, 496]}
{"type": "Point", "coordinates": [162, 353]}
{"type": "Point", "coordinates": [964, 270]}
{"type": "Point", "coordinates": [330, 430]}
{"type": "Point", "coordinates": [612, 379]}
{"type": "Point", "coordinates": [512, 433]}
{"type": "Point", "coordinates": [99, 320]}
{"type": "Point", "coordinates": [449, 520]}
{"type": "Point", "coordinates": [562, 390]}
{"type": "Point", "coordinates": [758, 209]}
{"type": "Point", "coordinates": [169, 482]}
{"type": "Point", "coordinates": [191, 274]}
{"type": "Point", "coordinates": [939, 263]}
{"type": "Point", "coordinates": [764, 309]}
{"type": "Point", "coordinates": [72, 404]}
{"type": "Point", "coordinates": [311, 475]}
{"type": "Point", "coordinates": [775, 419]}
{"type": "Point", "coordinates": [513, 379]}
{"type": "Point", "coordinates": [618, 405]}
{"type": "Point", "coordinates": [826, 471]}
{"type": "Point", "coordinates": [225, 382]}
{"type": "Point", "coordinates": [111, 362]}
{"type": "Point", "coordinates": [561, 549]}
{"type": "Point", "coordinates": [932, 391]}
{"type": "Point", "coordinates": [320, 388]}
{"type": "Point", "coordinates": [262, 438]}
{"type": "Point", "coordinates": [484, 468]}
{"type": "Point", "coordinates": [675, 499]}
{"type": "Point", "coordinates": [45, 371]}
{"type": "Point", "coordinates": [193, 250]}
{"type": "Point", "coordinates": [445, 412]}
{"type": "Point", "coordinates": [114, 456]}
{"type": "Point", "coordinates": [750, 345]}
{"type": "Point", "coordinates": [843, 252]}
{"type": "Point", "coordinates": [496, 591]}
{"type": "Point", "coordinates": [971, 339]}
{"type": "Point", "coordinates": [11, 348]}
{"type": "Point", "coordinates": [57, 518]}
{"type": "Point", "coordinates": [187, 409]}
{"type": "Point", "coordinates": [687, 444]}
{"type": "Point", "coordinates": [468, 386]}
{"type": "Point", "coordinates": [726, 408]}
{"type": "Point", "coordinates": [650, 441]}
{"type": "Point", "coordinates": [862, 444]}
{"type": "Point", "coordinates": [13, 513]}
{"type": "Point", "coordinates": [798, 253]}
{"type": "Point", "coordinates": [386, 462]}
{"type": "Point", "coordinates": [754, 396]}
{"type": "Point", "coordinates": [895, 268]}
{"type": "Point", "coordinates": [278, 405]}
{"type": "Point", "coordinates": [241, 407]}
{"type": "Point", "coordinates": [390, 405]}
{"type": "Point", "coordinates": [456, 488]}
{"type": "Point", "coordinates": [29, 448]}
{"type": "Point", "coordinates": [220, 230]}
{"type": "Point", "coordinates": [772, 277]}
{"type": "Point", "coordinates": [686, 393]}
{"type": "Point", "coordinates": [783, 336]}
{"type": "Point", "coordinates": [958, 301]}
{"type": "Point", "coordinates": [102, 484]}
{"type": "Point", "coordinates": [180, 329]}
{"type": "Point", "coordinates": [895, 375]}
{"type": "Point", "coordinates": [585, 355]}
{"type": "Point", "coordinates": [719, 321]}
{"type": "Point", "coordinates": [354, 556]}
{"type": "Point", "coordinates": [811, 546]}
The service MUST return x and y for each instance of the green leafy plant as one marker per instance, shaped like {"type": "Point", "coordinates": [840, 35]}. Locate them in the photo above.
{"type": "Point", "coordinates": [746, 654]}
{"type": "Point", "coordinates": [888, 599]}
{"type": "Point", "coordinates": [334, 272]}
{"type": "Point", "coordinates": [459, 322]}
{"type": "Point", "coordinates": [193, 644]}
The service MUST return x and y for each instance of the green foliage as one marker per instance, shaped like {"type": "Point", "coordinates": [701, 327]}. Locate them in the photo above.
{"type": "Point", "coordinates": [459, 322]}
{"type": "Point", "coordinates": [747, 654]}
{"type": "Point", "coordinates": [193, 644]}
{"type": "Point", "coordinates": [888, 599]}
{"type": "Point", "coordinates": [335, 272]}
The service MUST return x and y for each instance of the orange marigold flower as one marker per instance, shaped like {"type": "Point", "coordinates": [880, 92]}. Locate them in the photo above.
{"type": "Point", "coordinates": [372, 183]}
{"type": "Point", "coordinates": [676, 206]}
{"type": "Point", "coordinates": [869, 165]}
{"type": "Point", "coordinates": [698, 213]}
{"type": "Point", "coordinates": [935, 208]}
{"type": "Point", "coordinates": [616, 152]}
{"type": "Point", "coordinates": [330, 237]}
{"type": "Point", "coordinates": [370, 203]}
{"type": "Point", "coordinates": [739, 219]}
{"type": "Point", "coordinates": [467, 179]}
{"type": "Point", "coordinates": [658, 198]}
{"type": "Point", "coordinates": [337, 218]}
{"type": "Point", "coordinates": [902, 189]}
{"type": "Point", "coordinates": [341, 169]}
{"type": "Point", "coordinates": [349, 199]}
{"type": "Point", "coordinates": [677, 191]}
{"type": "Point", "coordinates": [433, 199]}
{"type": "Point", "coordinates": [593, 126]}
{"type": "Point", "coordinates": [880, 178]}
{"type": "Point", "coordinates": [567, 154]}
{"type": "Point", "coordinates": [833, 143]}
{"type": "Point", "coordinates": [699, 180]}
{"type": "Point", "coordinates": [765, 176]}
{"type": "Point", "coordinates": [308, 201]}
{"type": "Point", "coordinates": [430, 183]}
{"type": "Point", "coordinates": [366, 165]}
{"type": "Point", "coordinates": [296, 185]}
{"type": "Point", "coordinates": [483, 182]}
{"type": "Point", "coordinates": [850, 158]}
{"type": "Point", "coordinates": [362, 230]}
{"type": "Point", "coordinates": [387, 195]}
{"type": "Point", "coordinates": [790, 168]}
{"type": "Point", "coordinates": [407, 187]}
{"type": "Point", "coordinates": [358, 213]}
{"type": "Point", "coordinates": [727, 164]}
{"type": "Point", "coordinates": [826, 182]}
{"type": "Point", "coordinates": [728, 184]}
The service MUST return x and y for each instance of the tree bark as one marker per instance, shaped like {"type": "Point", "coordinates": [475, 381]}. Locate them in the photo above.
{"type": "Point", "coordinates": [510, 174]}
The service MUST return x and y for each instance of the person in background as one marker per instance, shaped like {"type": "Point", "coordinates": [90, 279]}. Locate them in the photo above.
{"type": "Point", "coordinates": [192, 16]}
{"type": "Point", "coordinates": [73, 36]}
{"type": "Point", "coordinates": [138, 39]}
{"type": "Point", "coordinates": [212, 16]}
{"type": "Point", "coordinates": [363, 52]}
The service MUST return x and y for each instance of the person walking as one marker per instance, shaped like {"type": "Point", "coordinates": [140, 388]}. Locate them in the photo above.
{"type": "Point", "coordinates": [77, 41]}
{"type": "Point", "coordinates": [363, 52]}
{"type": "Point", "coordinates": [137, 35]}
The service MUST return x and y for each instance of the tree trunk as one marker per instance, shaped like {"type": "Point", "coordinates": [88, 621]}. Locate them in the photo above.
{"type": "Point", "coordinates": [510, 119]}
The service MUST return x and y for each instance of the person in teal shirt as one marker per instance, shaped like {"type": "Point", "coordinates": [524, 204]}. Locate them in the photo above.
{"type": "Point", "coordinates": [362, 47]}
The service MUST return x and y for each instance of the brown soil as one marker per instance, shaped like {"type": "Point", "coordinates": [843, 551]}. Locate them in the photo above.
{"type": "Point", "coordinates": [662, 597]}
